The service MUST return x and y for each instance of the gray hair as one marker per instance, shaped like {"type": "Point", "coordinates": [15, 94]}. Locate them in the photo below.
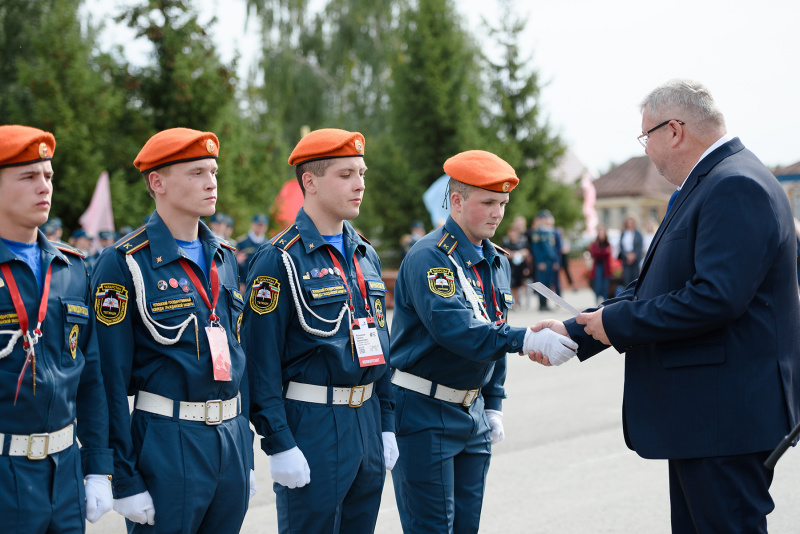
{"type": "Point", "coordinates": [687, 97]}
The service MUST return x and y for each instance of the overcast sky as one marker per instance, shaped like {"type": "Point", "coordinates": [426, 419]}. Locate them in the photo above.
{"type": "Point", "coordinates": [601, 58]}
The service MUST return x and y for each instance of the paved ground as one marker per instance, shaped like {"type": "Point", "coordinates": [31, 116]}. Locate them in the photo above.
{"type": "Point", "coordinates": [563, 467]}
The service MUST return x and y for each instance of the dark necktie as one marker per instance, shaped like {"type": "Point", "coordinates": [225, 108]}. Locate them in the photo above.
{"type": "Point", "coordinates": [671, 201]}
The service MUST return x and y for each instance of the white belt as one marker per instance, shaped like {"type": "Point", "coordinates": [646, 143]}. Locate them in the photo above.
{"type": "Point", "coordinates": [464, 397]}
{"type": "Point", "coordinates": [39, 446]}
{"type": "Point", "coordinates": [211, 412]}
{"type": "Point", "coordinates": [353, 397]}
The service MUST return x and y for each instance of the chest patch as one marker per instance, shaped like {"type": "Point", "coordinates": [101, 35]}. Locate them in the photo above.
{"type": "Point", "coordinates": [318, 293]}
{"type": "Point", "coordinates": [441, 282]}
{"type": "Point", "coordinates": [162, 306]}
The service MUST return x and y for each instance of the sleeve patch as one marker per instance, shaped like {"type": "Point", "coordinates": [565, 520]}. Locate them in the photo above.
{"type": "Point", "coordinates": [110, 303]}
{"type": "Point", "coordinates": [441, 282]}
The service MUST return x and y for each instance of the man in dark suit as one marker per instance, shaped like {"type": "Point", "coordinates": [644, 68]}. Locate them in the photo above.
{"type": "Point", "coordinates": [710, 327]}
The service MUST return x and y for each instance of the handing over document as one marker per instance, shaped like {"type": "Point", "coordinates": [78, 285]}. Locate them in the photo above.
{"type": "Point", "coordinates": [547, 293]}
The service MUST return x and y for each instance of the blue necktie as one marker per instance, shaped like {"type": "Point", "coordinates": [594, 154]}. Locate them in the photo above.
{"type": "Point", "coordinates": [671, 201]}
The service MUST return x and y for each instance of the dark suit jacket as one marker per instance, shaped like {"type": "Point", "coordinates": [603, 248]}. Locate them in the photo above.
{"type": "Point", "coordinates": [711, 328]}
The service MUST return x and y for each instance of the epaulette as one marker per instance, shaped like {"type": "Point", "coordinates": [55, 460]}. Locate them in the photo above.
{"type": "Point", "coordinates": [63, 247]}
{"type": "Point", "coordinates": [134, 242]}
{"type": "Point", "coordinates": [448, 243]}
{"type": "Point", "coordinates": [287, 237]}
{"type": "Point", "coordinates": [364, 238]}
{"type": "Point", "coordinates": [501, 249]}
{"type": "Point", "coordinates": [226, 244]}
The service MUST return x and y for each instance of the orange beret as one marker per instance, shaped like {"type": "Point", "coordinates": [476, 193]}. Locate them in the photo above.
{"type": "Point", "coordinates": [482, 169]}
{"type": "Point", "coordinates": [176, 145]}
{"type": "Point", "coordinates": [21, 145]}
{"type": "Point", "coordinates": [327, 143]}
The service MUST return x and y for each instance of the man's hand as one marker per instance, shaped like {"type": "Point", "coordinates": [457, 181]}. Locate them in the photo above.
{"type": "Point", "coordinates": [99, 498]}
{"type": "Point", "coordinates": [549, 346]}
{"type": "Point", "coordinates": [290, 468]}
{"type": "Point", "coordinates": [495, 419]}
{"type": "Point", "coordinates": [594, 325]}
{"type": "Point", "coordinates": [137, 508]}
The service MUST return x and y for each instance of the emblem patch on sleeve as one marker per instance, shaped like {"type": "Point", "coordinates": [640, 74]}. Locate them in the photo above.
{"type": "Point", "coordinates": [379, 313]}
{"type": "Point", "coordinates": [73, 341]}
{"type": "Point", "coordinates": [264, 294]}
{"type": "Point", "coordinates": [441, 282]}
{"type": "Point", "coordinates": [110, 303]}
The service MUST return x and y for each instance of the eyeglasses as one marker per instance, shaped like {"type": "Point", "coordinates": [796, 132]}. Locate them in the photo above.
{"type": "Point", "coordinates": [643, 138]}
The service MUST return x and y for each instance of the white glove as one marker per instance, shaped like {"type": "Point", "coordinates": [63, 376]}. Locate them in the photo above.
{"type": "Point", "coordinates": [99, 498]}
{"type": "Point", "coordinates": [390, 451]}
{"type": "Point", "coordinates": [138, 508]}
{"type": "Point", "coordinates": [558, 349]}
{"type": "Point", "coordinates": [253, 485]}
{"type": "Point", "coordinates": [496, 425]}
{"type": "Point", "coordinates": [290, 468]}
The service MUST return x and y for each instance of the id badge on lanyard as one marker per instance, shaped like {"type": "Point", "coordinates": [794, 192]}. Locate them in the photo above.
{"type": "Point", "coordinates": [367, 342]}
{"type": "Point", "coordinates": [217, 337]}
{"type": "Point", "coordinates": [363, 332]}
{"type": "Point", "coordinates": [220, 352]}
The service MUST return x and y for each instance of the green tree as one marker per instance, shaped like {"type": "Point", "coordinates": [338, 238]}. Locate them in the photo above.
{"type": "Point", "coordinates": [517, 131]}
{"type": "Point", "coordinates": [435, 96]}
{"type": "Point", "coordinates": [53, 79]}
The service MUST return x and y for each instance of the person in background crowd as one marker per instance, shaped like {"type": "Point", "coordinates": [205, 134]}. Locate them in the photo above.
{"type": "Point", "coordinates": [52, 229]}
{"type": "Point", "coordinates": [516, 244]}
{"type": "Point", "coordinates": [105, 238]}
{"type": "Point", "coordinates": [248, 244]}
{"type": "Point", "coordinates": [416, 233]}
{"type": "Point", "coordinates": [631, 250]}
{"type": "Point", "coordinates": [546, 253]}
{"type": "Point", "coordinates": [218, 223]}
{"type": "Point", "coordinates": [49, 362]}
{"type": "Point", "coordinates": [600, 274]}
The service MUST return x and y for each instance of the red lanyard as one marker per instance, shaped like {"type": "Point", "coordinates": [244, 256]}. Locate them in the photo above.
{"type": "Point", "coordinates": [362, 286]}
{"type": "Point", "coordinates": [22, 316]}
{"type": "Point", "coordinates": [494, 297]}
{"type": "Point", "coordinates": [200, 289]}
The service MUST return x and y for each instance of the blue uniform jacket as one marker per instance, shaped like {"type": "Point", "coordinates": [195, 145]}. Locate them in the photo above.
{"type": "Point", "coordinates": [436, 335]}
{"type": "Point", "coordinates": [710, 328]}
{"type": "Point", "coordinates": [69, 383]}
{"type": "Point", "coordinates": [279, 350]}
{"type": "Point", "coordinates": [133, 360]}
{"type": "Point", "coordinates": [545, 246]}
{"type": "Point", "coordinates": [246, 248]}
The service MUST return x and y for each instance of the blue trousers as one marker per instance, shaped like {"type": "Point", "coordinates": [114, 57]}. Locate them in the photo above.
{"type": "Point", "coordinates": [197, 475]}
{"type": "Point", "coordinates": [727, 494]}
{"type": "Point", "coordinates": [42, 496]}
{"type": "Point", "coordinates": [440, 477]}
{"type": "Point", "coordinates": [344, 450]}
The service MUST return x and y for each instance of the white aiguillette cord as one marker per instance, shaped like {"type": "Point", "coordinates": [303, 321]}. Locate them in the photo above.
{"type": "Point", "coordinates": [477, 308]}
{"type": "Point", "coordinates": [149, 322]}
{"type": "Point", "coordinates": [291, 272]}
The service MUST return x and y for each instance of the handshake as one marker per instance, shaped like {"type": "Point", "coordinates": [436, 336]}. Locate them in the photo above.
{"type": "Point", "coordinates": [543, 344]}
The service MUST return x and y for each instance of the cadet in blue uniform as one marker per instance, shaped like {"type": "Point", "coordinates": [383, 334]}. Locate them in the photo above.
{"type": "Point", "coordinates": [248, 244]}
{"type": "Point", "coordinates": [168, 309]}
{"type": "Point", "coordinates": [317, 347]}
{"type": "Point", "coordinates": [546, 249]}
{"type": "Point", "coordinates": [450, 339]}
{"type": "Point", "coordinates": [49, 363]}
